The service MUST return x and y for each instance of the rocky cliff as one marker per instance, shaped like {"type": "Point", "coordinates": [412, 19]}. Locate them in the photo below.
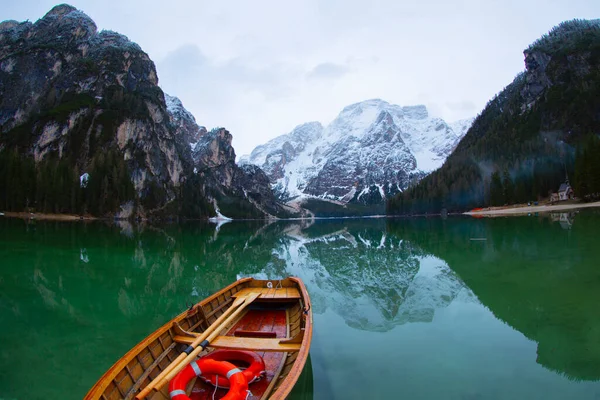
{"type": "Point", "coordinates": [237, 191]}
{"type": "Point", "coordinates": [75, 101]}
{"type": "Point", "coordinates": [371, 151]}
{"type": "Point", "coordinates": [183, 121]}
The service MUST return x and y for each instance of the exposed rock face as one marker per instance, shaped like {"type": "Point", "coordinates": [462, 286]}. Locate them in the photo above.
{"type": "Point", "coordinates": [371, 151]}
{"type": "Point", "coordinates": [70, 92]}
{"type": "Point", "coordinates": [64, 79]}
{"type": "Point", "coordinates": [536, 80]}
{"type": "Point", "coordinates": [214, 160]}
{"type": "Point", "coordinates": [183, 120]}
{"type": "Point", "coordinates": [255, 186]}
{"type": "Point", "coordinates": [559, 57]}
{"type": "Point", "coordinates": [214, 149]}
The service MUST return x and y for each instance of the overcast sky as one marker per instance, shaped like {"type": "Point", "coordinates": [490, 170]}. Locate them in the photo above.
{"type": "Point", "coordinates": [259, 68]}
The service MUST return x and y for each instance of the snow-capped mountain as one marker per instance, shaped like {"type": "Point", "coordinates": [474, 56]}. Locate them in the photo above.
{"type": "Point", "coordinates": [372, 150]}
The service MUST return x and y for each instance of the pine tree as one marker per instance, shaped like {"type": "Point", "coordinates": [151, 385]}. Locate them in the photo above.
{"type": "Point", "coordinates": [496, 190]}
{"type": "Point", "coordinates": [509, 189]}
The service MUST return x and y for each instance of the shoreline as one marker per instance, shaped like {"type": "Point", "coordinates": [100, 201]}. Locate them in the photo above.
{"type": "Point", "coordinates": [487, 212]}
{"type": "Point", "coordinates": [520, 210]}
{"type": "Point", "coordinates": [48, 217]}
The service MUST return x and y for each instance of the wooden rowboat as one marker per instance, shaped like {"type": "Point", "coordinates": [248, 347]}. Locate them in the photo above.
{"type": "Point", "coordinates": [271, 318]}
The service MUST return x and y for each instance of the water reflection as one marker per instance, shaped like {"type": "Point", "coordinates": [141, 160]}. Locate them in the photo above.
{"type": "Point", "coordinates": [373, 280]}
{"type": "Point", "coordinates": [565, 219]}
{"type": "Point", "coordinates": [81, 283]}
{"type": "Point", "coordinates": [531, 274]}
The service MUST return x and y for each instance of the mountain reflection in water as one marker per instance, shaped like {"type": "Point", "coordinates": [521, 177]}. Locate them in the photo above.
{"type": "Point", "coordinates": [539, 275]}
{"type": "Point", "coordinates": [373, 280]}
{"type": "Point", "coordinates": [410, 298]}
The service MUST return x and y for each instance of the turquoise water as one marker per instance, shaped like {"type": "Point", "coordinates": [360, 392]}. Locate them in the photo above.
{"type": "Point", "coordinates": [504, 308]}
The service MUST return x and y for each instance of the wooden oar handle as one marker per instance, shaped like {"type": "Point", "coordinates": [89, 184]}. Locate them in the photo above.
{"type": "Point", "coordinates": [209, 339]}
{"type": "Point", "coordinates": [156, 382]}
{"type": "Point", "coordinates": [185, 358]}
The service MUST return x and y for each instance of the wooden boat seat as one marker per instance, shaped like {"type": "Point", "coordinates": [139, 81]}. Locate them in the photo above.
{"type": "Point", "coordinates": [245, 343]}
{"type": "Point", "coordinates": [261, 334]}
{"type": "Point", "coordinates": [266, 293]}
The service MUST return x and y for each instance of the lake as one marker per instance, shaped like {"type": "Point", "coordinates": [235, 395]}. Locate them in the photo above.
{"type": "Point", "coordinates": [457, 308]}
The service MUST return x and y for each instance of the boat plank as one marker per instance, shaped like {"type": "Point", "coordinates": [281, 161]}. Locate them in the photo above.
{"type": "Point", "coordinates": [245, 343]}
{"type": "Point", "coordinates": [276, 374]}
{"type": "Point", "coordinates": [266, 293]}
{"type": "Point", "coordinates": [256, 344]}
{"type": "Point", "coordinates": [254, 320]}
{"type": "Point", "coordinates": [134, 389]}
{"type": "Point", "coordinates": [218, 308]}
{"type": "Point", "coordinates": [284, 387]}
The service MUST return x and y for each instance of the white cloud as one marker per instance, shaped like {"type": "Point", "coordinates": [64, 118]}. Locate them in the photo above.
{"type": "Point", "coordinates": [327, 71]}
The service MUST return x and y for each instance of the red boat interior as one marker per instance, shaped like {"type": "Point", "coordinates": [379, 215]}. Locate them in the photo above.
{"type": "Point", "coordinates": [257, 322]}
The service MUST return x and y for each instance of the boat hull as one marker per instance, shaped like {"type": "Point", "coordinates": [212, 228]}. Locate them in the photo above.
{"type": "Point", "coordinates": [277, 325]}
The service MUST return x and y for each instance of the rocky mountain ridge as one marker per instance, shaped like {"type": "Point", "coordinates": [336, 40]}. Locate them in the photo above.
{"type": "Point", "coordinates": [76, 101]}
{"type": "Point", "coordinates": [371, 151]}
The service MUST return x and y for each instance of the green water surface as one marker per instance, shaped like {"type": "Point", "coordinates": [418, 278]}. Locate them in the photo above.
{"type": "Point", "coordinates": [461, 308]}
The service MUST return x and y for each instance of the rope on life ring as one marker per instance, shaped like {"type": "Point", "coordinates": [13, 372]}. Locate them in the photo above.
{"type": "Point", "coordinates": [254, 372]}
{"type": "Point", "coordinates": [238, 385]}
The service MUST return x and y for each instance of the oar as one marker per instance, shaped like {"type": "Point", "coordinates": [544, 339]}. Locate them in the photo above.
{"type": "Point", "coordinates": [174, 371]}
{"type": "Point", "coordinates": [239, 304]}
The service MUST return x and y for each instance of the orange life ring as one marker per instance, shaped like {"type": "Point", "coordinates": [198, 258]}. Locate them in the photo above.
{"type": "Point", "coordinates": [253, 373]}
{"type": "Point", "coordinates": [239, 385]}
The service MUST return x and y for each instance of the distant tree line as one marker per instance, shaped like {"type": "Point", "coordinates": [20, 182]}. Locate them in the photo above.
{"type": "Point", "coordinates": [192, 201]}
{"type": "Point", "coordinates": [53, 185]}
{"type": "Point", "coordinates": [568, 34]}
{"type": "Point", "coordinates": [545, 179]}
{"type": "Point", "coordinates": [587, 170]}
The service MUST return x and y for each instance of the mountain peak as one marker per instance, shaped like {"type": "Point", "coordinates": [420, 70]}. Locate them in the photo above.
{"type": "Point", "coordinates": [378, 103]}
{"type": "Point", "coordinates": [60, 10]}
{"type": "Point", "coordinates": [416, 112]}
{"type": "Point", "coordinates": [69, 18]}
{"type": "Point", "coordinates": [368, 111]}
{"type": "Point", "coordinates": [308, 125]}
{"type": "Point", "coordinates": [371, 150]}
{"type": "Point", "coordinates": [90, 101]}
{"type": "Point", "coordinates": [175, 107]}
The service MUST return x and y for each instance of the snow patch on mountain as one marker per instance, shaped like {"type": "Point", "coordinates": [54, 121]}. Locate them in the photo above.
{"type": "Point", "coordinates": [372, 147]}
{"type": "Point", "coordinates": [177, 110]}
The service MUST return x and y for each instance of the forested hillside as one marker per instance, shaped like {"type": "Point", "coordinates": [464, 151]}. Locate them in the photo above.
{"type": "Point", "coordinates": [85, 128]}
{"type": "Point", "coordinates": [528, 135]}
